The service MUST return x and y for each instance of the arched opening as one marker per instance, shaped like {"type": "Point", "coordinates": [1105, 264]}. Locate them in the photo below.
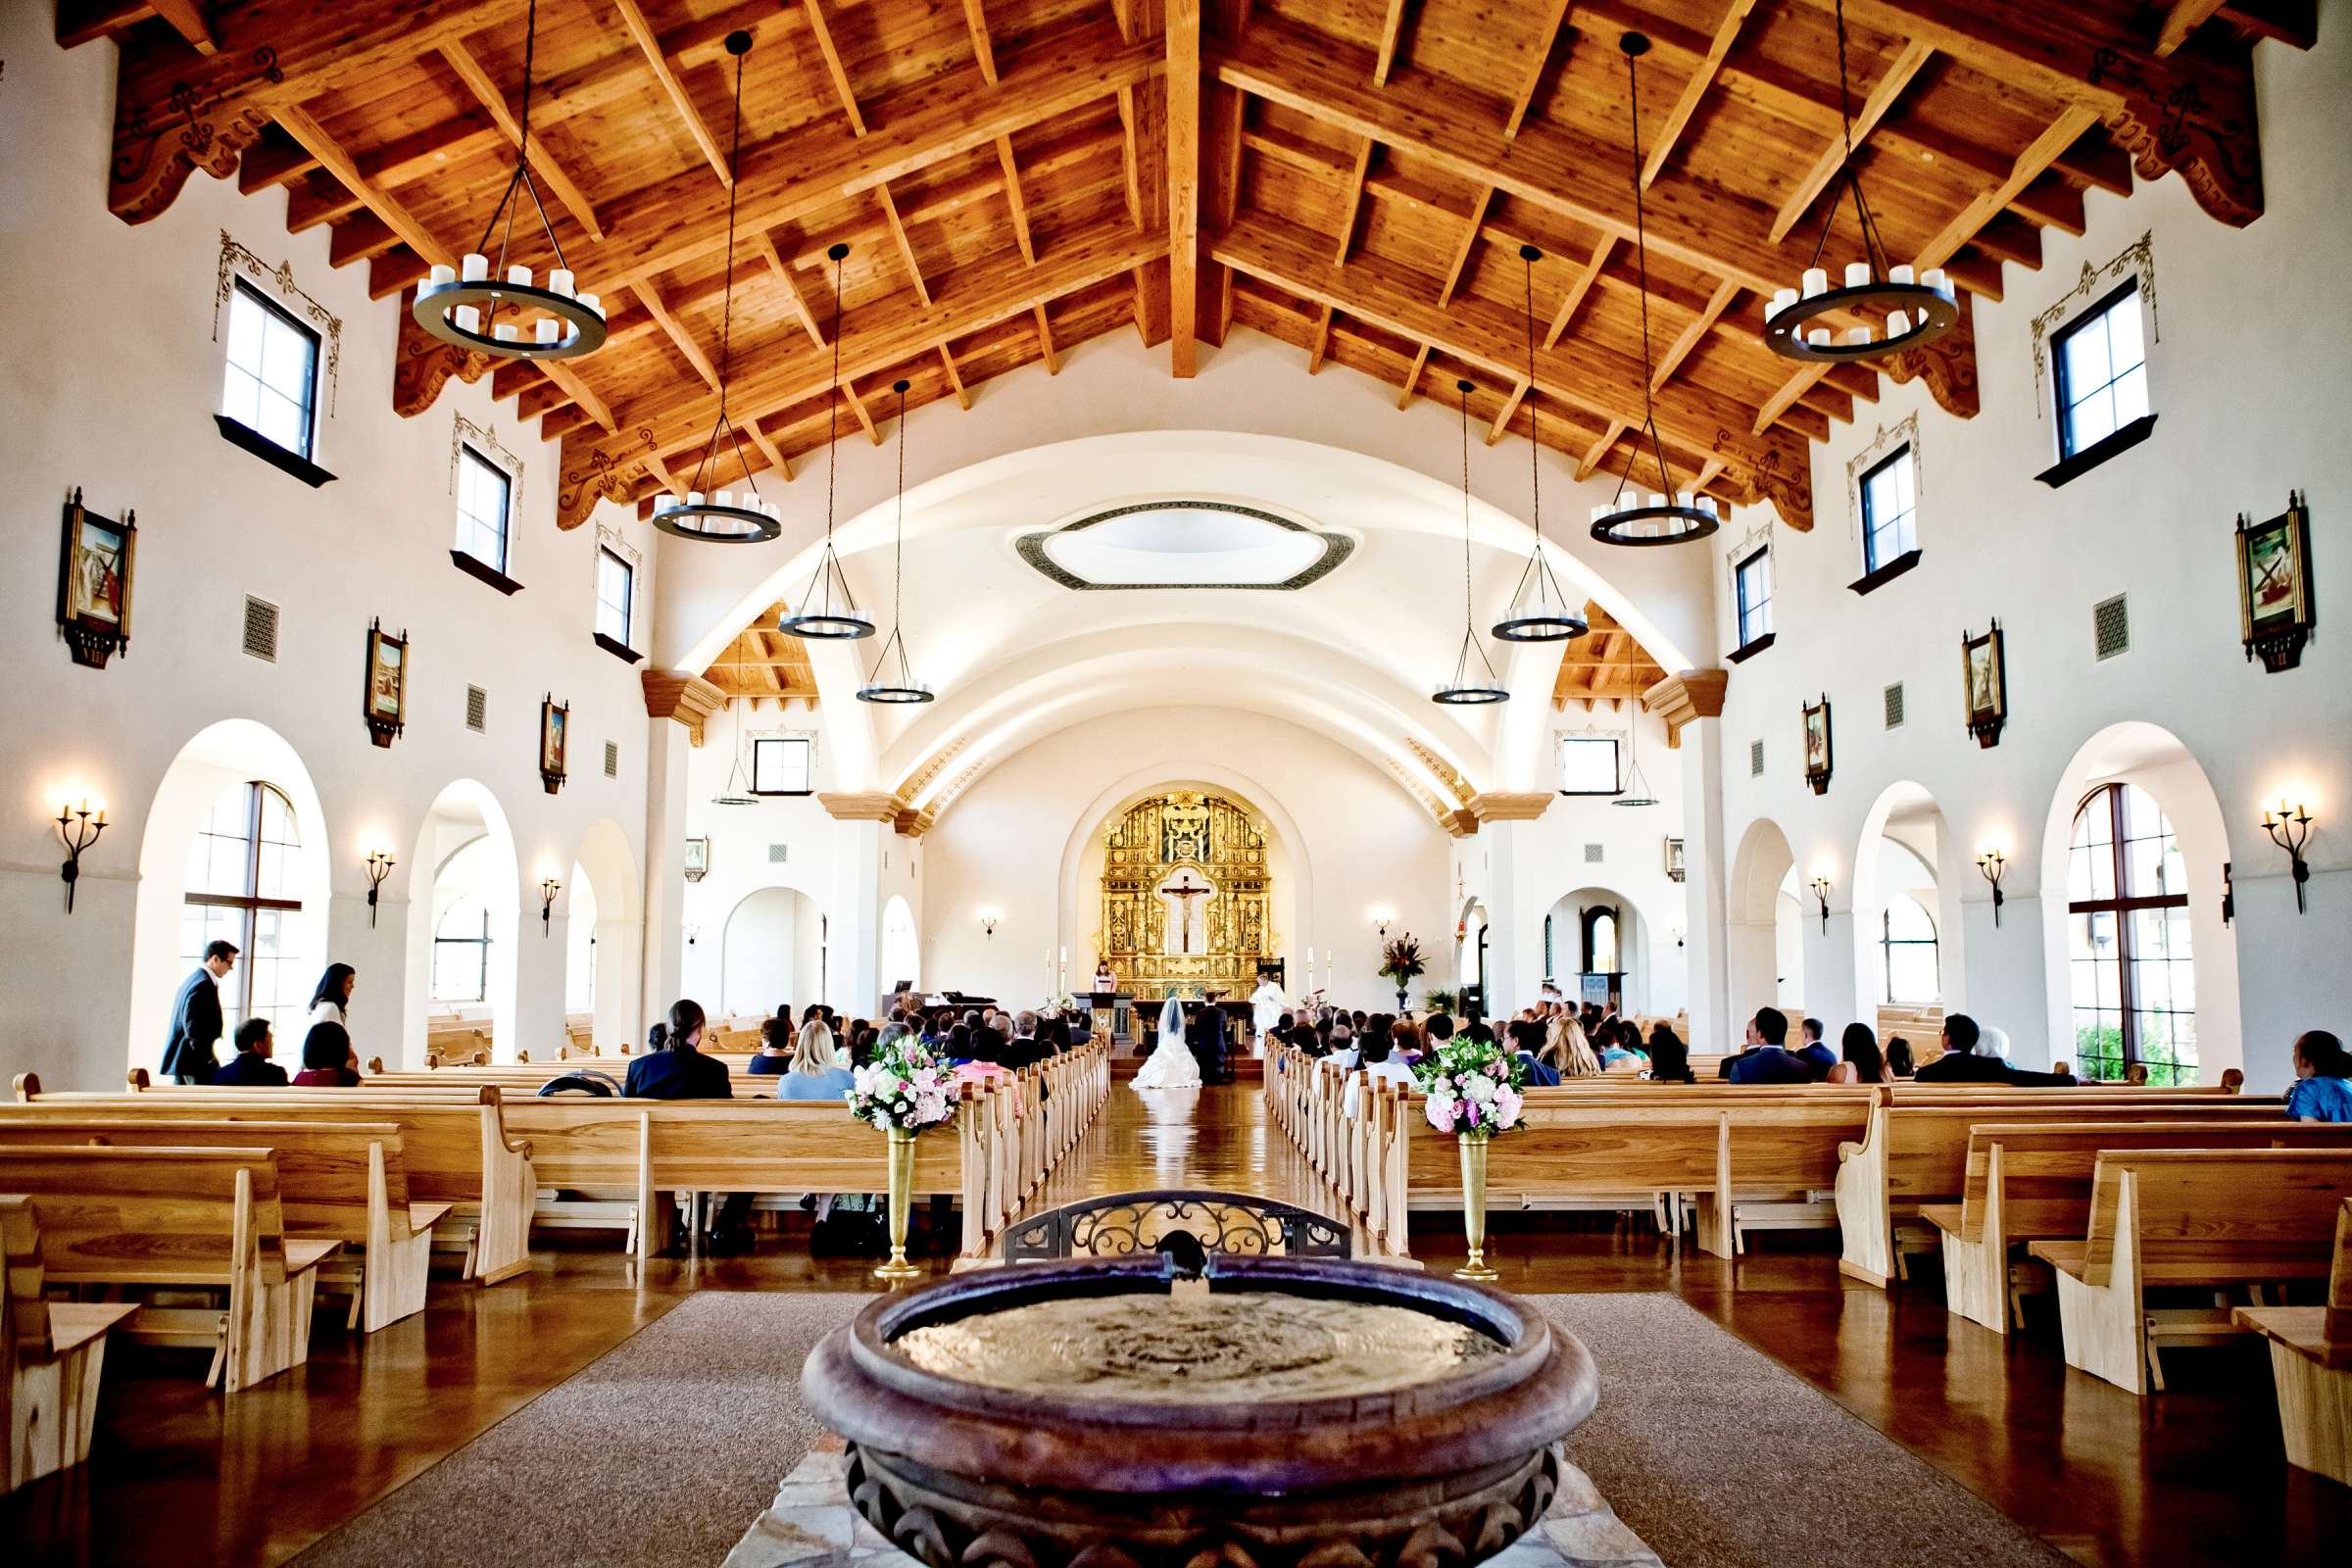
{"type": "Point", "coordinates": [236, 849]}
{"type": "Point", "coordinates": [1764, 925]}
{"type": "Point", "coordinates": [580, 951]}
{"type": "Point", "coordinates": [464, 927]}
{"type": "Point", "coordinates": [2139, 965]}
{"type": "Point", "coordinates": [604, 937]}
{"type": "Point", "coordinates": [1909, 871]}
{"type": "Point", "coordinates": [772, 953]}
{"type": "Point", "coordinates": [1470, 957]}
{"type": "Point", "coordinates": [1601, 949]}
{"type": "Point", "coordinates": [901, 946]}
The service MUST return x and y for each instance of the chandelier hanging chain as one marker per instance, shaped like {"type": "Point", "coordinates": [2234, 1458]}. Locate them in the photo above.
{"type": "Point", "coordinates": [709, 469]}
{"type": "Point", "coordinates": [1873, 249]}
{"type": "Point", "coordinates": [898, 547]}
{"type": "Point", "coordinates": [1535, 464]}
{"type": "Point", "coordinates": [508, 206]}
{"type": "Point", "coordinates": [833, 408]}
{"type": "Point", "coordinates": [1649, 415]}
{"type": "Point", "coordinates": [1466, 623]}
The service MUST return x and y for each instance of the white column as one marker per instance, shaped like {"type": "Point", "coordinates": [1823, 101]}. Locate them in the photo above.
{"type": "Point", "coordinates": [666, 746]}
{"type": "Point", "coordinates": [1706, 859]}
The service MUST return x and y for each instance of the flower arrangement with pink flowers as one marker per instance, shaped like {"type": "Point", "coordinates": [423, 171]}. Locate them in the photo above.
{"type": "Point", "coordinates": [1474, 1087]}
{"type": "Point", "coordinates": [903, 1089]}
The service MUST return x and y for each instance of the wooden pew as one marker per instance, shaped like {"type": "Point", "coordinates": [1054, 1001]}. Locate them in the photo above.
{"type": "Point", "coordinates": [2215, 1219]}
{"type": "Point", "coordinates": [176, 1219]}
{"type": "Point", "coordinates": [2311, 1363]}
{"type": "Point", "coordinates": [346, 1181]}
{"type": "Point", "coordinates": [53, 1353]}
{"type": "Point", "coordinates": [2024, 1182]}
{"type": "Point", "coordinates": [455, 1145]}
{"type": "Point", "coordinates": [1915, 1151]}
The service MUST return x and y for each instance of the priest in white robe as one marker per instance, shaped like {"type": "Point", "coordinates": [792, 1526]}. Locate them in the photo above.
{"type": "Point", "coordinates": [1265, 1012]}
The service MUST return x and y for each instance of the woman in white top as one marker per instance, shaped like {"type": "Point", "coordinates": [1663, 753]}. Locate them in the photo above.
{"type": "Point", "coordinates": [331, 1001]}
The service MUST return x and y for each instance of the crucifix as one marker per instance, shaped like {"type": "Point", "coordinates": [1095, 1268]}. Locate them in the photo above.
{"type": "Point", "coordinates": [1184, 887]}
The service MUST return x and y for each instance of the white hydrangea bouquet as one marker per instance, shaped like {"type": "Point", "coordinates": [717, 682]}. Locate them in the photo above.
{"type": "Point", "coordinates": [904, 1089]}
{"type": "Point", "coordinates": [1474, 1087]}
{"type": "Point", "coordinates": [1060, 1007]}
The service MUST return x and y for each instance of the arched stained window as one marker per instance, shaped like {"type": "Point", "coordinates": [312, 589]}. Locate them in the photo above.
{"type": "Point", "coordinates": [1907, 953]}
{"type": "Point", "coordinates": [239, 888]}
{"type": "Point", "coordinates": [2134, 977]}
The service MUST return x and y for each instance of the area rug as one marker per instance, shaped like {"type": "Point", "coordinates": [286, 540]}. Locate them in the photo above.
{"type": "Point", "coordinates": [667, 1449]}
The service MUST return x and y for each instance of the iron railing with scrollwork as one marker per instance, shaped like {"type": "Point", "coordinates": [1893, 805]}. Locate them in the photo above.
{"type": "Point", "coordinates": [1124, 1224]}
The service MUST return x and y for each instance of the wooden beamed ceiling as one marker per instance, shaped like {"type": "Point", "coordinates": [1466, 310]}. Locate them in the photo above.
{"type": "Point", "coordinates": [1356, 178]}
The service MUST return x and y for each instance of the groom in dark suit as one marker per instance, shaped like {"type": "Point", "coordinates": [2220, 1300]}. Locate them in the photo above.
{"type": "Point", "coordinates": [1204, 1034]}
{"type": "Point", "coordinates": [196, 1018]}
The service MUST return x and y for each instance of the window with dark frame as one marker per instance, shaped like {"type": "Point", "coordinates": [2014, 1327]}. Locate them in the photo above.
{"type": "Point", "coordinates": [616, 588]}
{"type": "Point", "coordinates": [2133, 970]}
{"type": "Point", "coordinates": [238, 887]}
{"type": "Point", "coordinates": [783, 764]}
{"type": "Point", "coordinates": [1753, 579]}
{"type": "Point", "coordinates": [1907, 952]}
{"type": "Point", "coordinates": [462, 952]}
{"type": "Point", "coordinates": [270, 382]}
{"type": "Point", "coordinates": [1889, 508]}
{"type": "Point", "coordinates": [1599, 940]}
{"type": "Point", "coordinates": [484, 494]}
{"type": "Point", "coordinates": [1589, 765]}
{"type": "Point", "coordinates": [2100, 367]}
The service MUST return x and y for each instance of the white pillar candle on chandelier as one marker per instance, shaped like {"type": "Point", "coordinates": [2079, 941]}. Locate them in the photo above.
{"type": "Point", "coordinates": [1898, 322]}
{"type": "Point", "coordinates": [1782, 300]}
{"type": "Point", "coordinates": [469, 318]}
{"type": "Point", "coordinates": [1934, 278]}
{"type": "Point", "coordinates": [1901, 274]}
{"type": "Point", "coordinates": [476, 267]}
{"type": "Point", "coordinates": [559, 281]}
{"type": "Point", "coordinates": [550, 329]}
{"type": "Point", "coordinates": [1817, 281]}
{"type": "Point", "coordinates": [1857, 274]}
{"type": "Point", "coordinates": [593, 303]}
{"type": "Point", "coordinates": [507, 332]}
{"type": "Point", "coordinates": [519, 275]}
{"type": "Point", "coordinates": [1818, 336]}
{"type": "Point", "coordinates": [442, 275]}
{"type": "Point", "coordinates": [1856, 336]}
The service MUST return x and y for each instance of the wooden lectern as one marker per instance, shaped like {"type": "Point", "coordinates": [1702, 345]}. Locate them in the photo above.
{"type": "Point", "coordinates": [1115, 1014]}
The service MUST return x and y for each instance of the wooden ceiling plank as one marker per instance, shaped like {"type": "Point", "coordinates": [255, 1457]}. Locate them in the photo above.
{"type": "Point", "coordinates": [650, 293]}
{"type": "Point", "coordinates": [947, 360]}
{"type": "Point", "coordinates": [1184, 186]}
{"type": "Point", "coordinates": [1599, 449]}
{"type": "Point", "coordinates": [1471, 224]}
{"type": "Point", "coordinates": [1392, 31]}
{"type": "Point", "coordinates": [767, 448]}
{"type": "Point", "coordinates": [632, 17]}
{"type": "Point", "coordinates": [2052, 203]}
{"type": "Point", "coordinates": [897, 234]}
{"type": "Point", "coordinates": [783, 274]}
{"type": "Point", "coordinates": [2030, 163]}
{"type": "Point", "coordinates": [815, 12]}
{"type": "Point", "coordinates": [1044, 341]}
{"type": "Point", "coordinates": [80, 21]}
{"type": "Point", "coordinates": [544, 164]}
{"type": "Point", "coordinates": [1882, 99]}
{"type": "Point", "coordinates": [1015, 200]}
{"type": "Point", "coordinates": [1695, 90]}
{"type": "Point", "coordinates": [1694, 334]}
{"type": "Point", "coordinates": [2181, 19]}
{"type": "Point", "coordinates": [1321, 343]}
{"type": "Point", "coordinates": [1510, 406]}
{"type": "Point", "coordinates": [1547, 34]}
{"type": "Point", "coordinates": [1128, 159]}
{"type": "Point", "coordinates": [2293, 23]}
{"type": "Point", "coordinates": [273, 161]}
{"type": "Point", "coordinates": [1412, 378]}
{"type": "Point", "coordinates": [1354, 201]}
{"type": "Point", "coordinates": [865, 417]}
{"type": "Point", "coordinates": [1575, 297]}
{"type": "Point", "coordinates": [186, 18]}
{"type": "Point", "coordinates": [984, 54]}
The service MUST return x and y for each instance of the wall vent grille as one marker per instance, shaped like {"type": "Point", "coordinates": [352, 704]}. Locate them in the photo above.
{"type": "Point", "coordinates": [478, 710]}
{"type": "Point", "coordinates": [1592, 854]}
{"type": "Point", "coordinates": [612, 760]}
{"type": "Point", "coordinates": [2111, 627]}
{"type": "Point", "coordinates": [1755, 758]}
{"type": "Point", "coordinates": [260, 629]}
{"type": "Point", "coordinates": [778, 854]}
{"type": "Point", "coordinates": [1894, 705]}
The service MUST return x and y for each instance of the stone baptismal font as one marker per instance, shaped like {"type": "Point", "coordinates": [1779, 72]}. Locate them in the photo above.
{"type": "Point", "coordinates": [1275, 1413]}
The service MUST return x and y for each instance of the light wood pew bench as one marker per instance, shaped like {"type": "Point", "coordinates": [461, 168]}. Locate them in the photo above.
{"type": "Point", "coordinates": [171, 1220]}
{"type": "Point", "coordinates": [53, 1353]}
{"type": "Point", "coordinates": [2034, 1181]}
{"type": "Point", "coordinates": [2212, 1219]}
{"type": "Point", "coordinates": [2311, 1362]}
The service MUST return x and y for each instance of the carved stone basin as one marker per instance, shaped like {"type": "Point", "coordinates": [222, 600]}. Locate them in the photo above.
{"type": "Point", "coordinates": [1284, 1413]}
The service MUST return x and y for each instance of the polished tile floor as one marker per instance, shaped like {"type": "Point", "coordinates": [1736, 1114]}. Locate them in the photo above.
{"type": "Point", "coordinates": [183, 1476]}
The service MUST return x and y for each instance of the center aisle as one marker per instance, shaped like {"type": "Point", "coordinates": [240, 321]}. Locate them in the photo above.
{"type": "Point", "coordinates": [1217, 1138]}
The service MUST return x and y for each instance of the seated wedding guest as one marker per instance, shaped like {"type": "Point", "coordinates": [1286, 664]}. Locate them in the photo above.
{"type": "Point", "coordinates": [1541, 1074]}
{"type": "Point", "coordinates": [1753, 1044]}
{"type": "Point", "coordinates": [327, 1060]}
{"type": "Point", "coordinates": [1962, 1062]}
{"type": "Point", "coordinates": [1380, 1066]}
{"type": "Point", "coordinates": [1405, 1039]}
{"type": "Point", "coordinates": [773, 1059]}
{"type": "Point", "coordinates": [330, 1002]}
{"type": "Point", "coordinates": [1770, 1063]}
{"type": "Point", "coordinates": [674, 1066]}
{"type": "Point", "coordinates": [1620, 1048]}
{"type": "Point", "coordinates": [816, 1074]}
{"type": "Point", "coordinates": [861, 1039]}
{"type": "Point", "coordinates": [784, 1012]}
{"type": "Point", "coordinates": [1576, 1057]}
{"type": "Point", "coordinates": [1438, 1028]}
{"type": "Point", "coordinates": [2320, 1092]}
{"type": "Point", "coordinates": [1898, 1059]}
{"type": "Point", "coordinates": [1022, 1047]}
{"type": "Point", "coordinates": [1813, 1054]}
{"type": "Point", "coordinates": [2135, 1076]}
{"type": "Point", "coordinates": [1340, 1049]}
{"type": "Point", "coordinates": [1863, 1063]}
{"type": "Point", "coordinates": [251, 1067]}
{"type": "Point", "coordinates": [956, 1041]}
{"type": "Point", "coordinates": [1669, 1057]}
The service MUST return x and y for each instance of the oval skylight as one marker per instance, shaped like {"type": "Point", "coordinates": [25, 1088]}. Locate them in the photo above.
{"type": "Point", "coordinates": [1183, 544]}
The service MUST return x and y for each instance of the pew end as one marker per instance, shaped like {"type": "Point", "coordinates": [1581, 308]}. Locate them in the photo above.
{"type": "Point", "coordinates": [53, 1351]}
{"type": "Point", "coordinates": [2311, 1366]}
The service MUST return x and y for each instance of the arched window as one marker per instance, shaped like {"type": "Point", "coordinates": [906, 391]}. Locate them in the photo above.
{"type": "Point", "coordinates": [1601, 940]}
{"type": "Point", "coordinates": [1549, 968]}
{"type": "Point", "coordinates": [239, 888]}
{"type": "Point", "coordinates": [1907, 953]}
{"type": "Point", "coordinates": [462, 951]}
{"type": "Point", "coordinates": [901, 953]}
{"type": "Point", "coordinates": [2134, 983]}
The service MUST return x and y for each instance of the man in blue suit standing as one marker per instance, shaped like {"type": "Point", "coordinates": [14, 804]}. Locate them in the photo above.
{"type": "Point", "coordinates": [1770, 1062]}
{"type": "Point", "coordinates": [196, 1017]}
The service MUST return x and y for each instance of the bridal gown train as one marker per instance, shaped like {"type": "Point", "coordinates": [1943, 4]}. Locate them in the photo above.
{"type": "Point", "coordinates": [1171, 1064]}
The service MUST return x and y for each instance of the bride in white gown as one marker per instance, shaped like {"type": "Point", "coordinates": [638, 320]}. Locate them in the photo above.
{"type": "Point", "coordinates": [1171, 1064]}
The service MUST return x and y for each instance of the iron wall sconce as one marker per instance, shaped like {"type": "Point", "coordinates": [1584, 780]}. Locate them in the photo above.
{"type": "Point", "coordinates": [2291, 831]}
{"type": "Point", "coordinates": [1821, 894]}
{"type": "Point", "coordinates": [1991, 864]}
{"type": "Point", "coordinates": [988, 926]}
{"type": "Point", "coordinates": [692, 932]}
{"type": "Point", "coordinates": [77, 828]}
{"type": "Point", "coordinates": [379, 867]}
{"type": "Point", "coordinates": [1381, 924]}
{"type": "Point", "coordinates": [548, 890]}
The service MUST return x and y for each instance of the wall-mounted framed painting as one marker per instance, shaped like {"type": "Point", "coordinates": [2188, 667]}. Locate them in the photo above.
{"type": "Point", "coordinates": [94, 570]}
{"type": "Point", "coordinates": [384, 703]}
{"type": "Point", "coordinates": [555, 733]}
{"type": "Point", "coordinates": [698, 859]}
{"type": "Point", "coordinates": [1817, 744]}
{"type": "Point", "coordinates": [1675, 868]}
{"type": "Point", "coordinates": [1985, 685]}
{"type": "Point", "coordinates": [2274, 585]}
